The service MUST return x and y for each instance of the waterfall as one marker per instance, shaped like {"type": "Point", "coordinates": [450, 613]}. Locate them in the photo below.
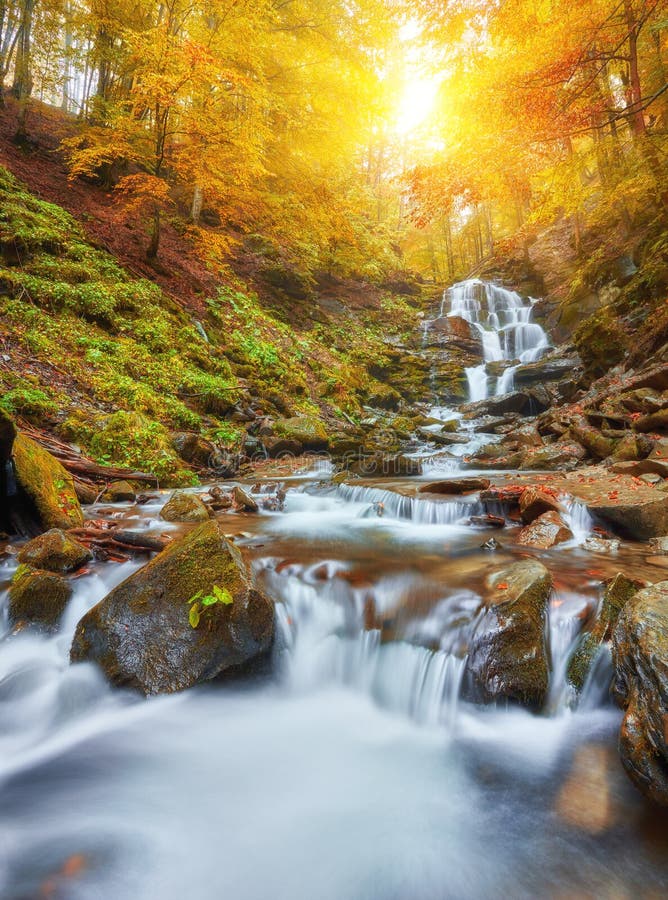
{"type": "Point", "coordinates": [503, 320]}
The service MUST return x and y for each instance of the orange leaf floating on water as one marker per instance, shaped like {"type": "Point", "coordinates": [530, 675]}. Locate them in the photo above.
{"type": "Point", "coordinates": [503, 586]}
{"type": "Point", "coordinates": [73, 865]}
{"type": "Point", "coordinates": [595, 573]}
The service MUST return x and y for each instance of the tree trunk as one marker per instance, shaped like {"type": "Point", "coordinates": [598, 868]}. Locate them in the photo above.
{"type": "Point", "coordinates": [196, 208]}
{"type": "Point", "coordinates": [154, 243]}
{"type": "Point", "coordinates": [22, 87]}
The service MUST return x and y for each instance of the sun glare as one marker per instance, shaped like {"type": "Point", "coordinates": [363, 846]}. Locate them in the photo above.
{"type": "Point", "coordinates": [416, 104]}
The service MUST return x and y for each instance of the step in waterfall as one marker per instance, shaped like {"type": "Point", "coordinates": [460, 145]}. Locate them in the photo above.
{"type": "Point", "coordinates": [503, 319]}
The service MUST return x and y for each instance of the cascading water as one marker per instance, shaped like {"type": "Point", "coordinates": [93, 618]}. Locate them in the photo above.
{"type": "Point", "coordinates": [503, 321]}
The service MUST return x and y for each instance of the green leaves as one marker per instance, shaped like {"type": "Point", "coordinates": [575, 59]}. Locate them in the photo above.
{"type": "Point", "coordinates": [200, 602]}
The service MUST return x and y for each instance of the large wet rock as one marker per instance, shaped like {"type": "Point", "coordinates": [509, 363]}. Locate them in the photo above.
{"type": "Point", "coordinates": [640, 655]}
{"type": "Point", "coordinates": [507, 659]}
{"type": "Point", "coordinates": [120, 492]}
{"type": "Point", "coordinates": [534, 502]}
{"type": "Point", "coordinates": [193, 448]}
{"type": "Point", "coordinates": [54, 551]}
{"type": "Point", "coordinates": [544, 532]}
{"type": "Point", "coordinates": [48, 485]}
{"type": "Point", "coordinates": [141, 636]}
{"type": "Point", "coordinates": [595, 443]}
{"type": "Point", "coordinates": [184, 507]}
{"type": "Point", "coordinates": [37, 597]}
{"type": "Point", "coordinates": [618, 591]}
{"type": "Point", "coordinates": [514, 401]}
{"type": "Point", "coordinates": [549, 368]}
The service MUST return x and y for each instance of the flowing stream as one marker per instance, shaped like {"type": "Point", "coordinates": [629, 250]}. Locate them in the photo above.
{"type": "Point", "coordinates": [351, 769]}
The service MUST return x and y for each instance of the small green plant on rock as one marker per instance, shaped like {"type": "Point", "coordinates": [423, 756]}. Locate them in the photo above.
{"type": "Point", "coordinates": [200, 602]}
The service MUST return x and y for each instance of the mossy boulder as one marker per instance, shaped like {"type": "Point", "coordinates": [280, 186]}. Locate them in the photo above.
{"type": "Point", "coordinates": [508, 659]}
{"type": "Point", "coordinates": [37, 597]}
{"type": "Point", "coordinates": [640, 656]}
{"type": "Point", "coordinates": [120, 492]}
{"type": "Point", "coordinates": [140, 634]}
{"type": "Point", "coordinates": [595, 443]}
{"type": "Point", "coordinates": [618, 591]}
{"type": "Point", "coordinates": [48, 485]}
{"type": "Point", "coordinates": [309, 431]}
{"type": "Point", "coordinates": [54, 551]}
{"type": "Point", "coordinates": [184, 507]}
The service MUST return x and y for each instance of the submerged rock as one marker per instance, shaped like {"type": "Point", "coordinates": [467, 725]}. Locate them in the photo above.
{"type": "Point", "coordinates": [640, 655]}
{"type": "Point", "coordinates": [507, 657]}
{"type": "Point", "coordinates": [545, 531]}
{"type": "Point", "coordinates": [140, 634]}
{"type": "Point", "coordinates": [49, 486]}
{"type": "Point", "coordinates": [184, 507]}
{"type": "Point", "coordinates": [618, 591]}
{"type": "Point", "coordinates": [54, 551]}
{"type": "Point", "coordinates": [37, 597]}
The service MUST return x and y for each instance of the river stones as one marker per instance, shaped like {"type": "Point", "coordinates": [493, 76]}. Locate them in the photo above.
{"type": "Point", "coordinates": [54, 551]}
{"type": "Point", "coordinates": [456, 486]}
{"type": "Point", "coordinates": [508, 659]}
{"type": "Point", "coordinates": [534, 502]}
{"type": "Point", "coordinates": [618, 591]}
{"type": "Point", "coordinates": [640, 655]}
{"type": "Point", "coordinates": [120, 492]}
{"type": "Point", "coordinates": [37, 597]}
{"type": "Point", "coordinates": [184, 507]}
{"type": "Point", "coordinates": [48, 485]}
{"type": "Point", "coordinates": [141, 636]}
{"type": "Point", "coordinates": [545, 531]}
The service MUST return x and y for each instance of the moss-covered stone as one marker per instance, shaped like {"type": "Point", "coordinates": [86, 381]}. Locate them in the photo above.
{"type": "Point", "coordinates": [308, 430]}
{"type": "Point", "coordinates": [618, 591]}
{"type": "Point", "coordinates": [640, 656]}
{"type": "Point", "coordinates": [54, 551]}
{"type": "Point", "coordinates": [120, 492]}
{"type": "Point", "coordinates": [507, 657]}
{"type": "Point", "coordinates": [183, 507]}
{"type": "Point", "coordinates": [37, 597]}
{"type": "Point", "coordinates": [47, 483]}
{"type": "Point", "coordinates": [140, 634]}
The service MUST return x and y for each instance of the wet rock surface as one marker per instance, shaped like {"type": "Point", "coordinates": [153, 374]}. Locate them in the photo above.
{"type": "Point", "coordinates": [37, 597]}
{"type": "Point", "coordinates": [184, 507]}
{"type": "Point", "coordinates": [48, 485]}
{"type": "Point", "coordinates": [141, 636]}
{"type": "Point", "coordinates": [54, 551]}
{"type": "Point", "coordinates": [507, 659]}
{"type": "Point", "coordinates": [640, 653]}
{"type": "Point", "coordinates": [618, 591]}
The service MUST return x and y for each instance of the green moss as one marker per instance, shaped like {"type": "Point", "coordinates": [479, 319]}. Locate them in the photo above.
{"type": "Point", "coordinates": [131, 440]}
{"type": "Point", "coordinates": [47, 483]}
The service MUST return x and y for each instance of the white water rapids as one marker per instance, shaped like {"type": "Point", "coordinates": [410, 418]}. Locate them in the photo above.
{"type": "Point", "coordinates": [351, 772]}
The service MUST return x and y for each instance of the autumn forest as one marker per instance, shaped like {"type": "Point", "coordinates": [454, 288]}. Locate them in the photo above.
{"type": "Point", "coordinates": [333, 449]}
